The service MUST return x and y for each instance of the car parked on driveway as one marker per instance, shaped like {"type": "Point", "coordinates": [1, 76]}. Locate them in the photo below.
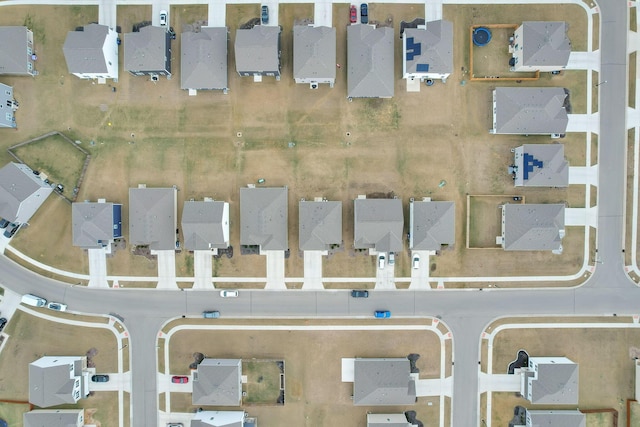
{"type": "Point", "coordinates": [265, 14]}
{"type": "Point", "coordinates": [3, 322]}
{"type": "Point", "coordinates": [353, 14]}
{"type": "Point", "coordinates": [4, 223]}
{"type": "Point", "coordinates": [382, 314]}
{"type": "Point", "coordinates": [163, 18]}
{"type": "Point", "coordinates": [11, 230]}
{"type": "Point", "coordinates": [364, 13]}
{"type": "Point", "coordinates": [416, 261]}
{"type": "Point", "coordinates": [381, 261]}
{"type": "Point", "coordinates": [359, 293]}
{"type": "Point", "coordinates": [179, 379]}
{"type": "Point", "coordinates": [100, 378]}
{"type": "Point", "coordinates": [174, 425]}
{"type": "Point", "coordinates": [57, 306]}
{"type": "Point", "coordinates": [228, 294]}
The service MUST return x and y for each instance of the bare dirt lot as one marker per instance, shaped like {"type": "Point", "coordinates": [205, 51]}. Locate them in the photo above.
{"type": "Point", "coordinates": [160, 136]}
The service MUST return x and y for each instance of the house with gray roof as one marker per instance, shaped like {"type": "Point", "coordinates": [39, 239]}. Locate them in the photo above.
{"type": "Point", "coordinates": [54, 418]}
{"type": "Point", "coordinates": [378, 224]}
{"type": "Point", "coordinates": [8, 107]}
{"type": "Point", "coordinates": [205, 225]}
{"type": "Point", "coordinates": [147, 52]}
{"type": "Point", "coordinates": [427, 51]}
{"type": "Point", "coordinates": [263, 218]}
{"type": "Point", "coordinates": [314, 55]}
{"type": "Point", "coordinates": [370, 61]}
{"type": "Point", "coordinates": [552, 418]}
{"type": "Point", "coordinates": [92, 52]}
{"type": "Point", "coordinates": [21, 192]}
{"type": "Point", "coordinates": [540, 165]}
{"type": "Point", "coordinates": [320, 224]}
{"type": "Point", "coordinates": [530, 110]}
{"type": "Point", "coordinates": [203, 64]}
{"type": "Point", "coordinates": [431, 224]}
{"type": "Point", "coordinates": [222, 419]}
{"type": "Point", "coordinates": [96, 225]}
{"type": "Point", "coordinates": [218, 382]}
{"type": "Point", "coordinates": [550, 381]}
{"type": "Point", "coordinates": [258, 52]}
{"type": "Point", "coordinates": [58, 380]}
{"type": "Point", "coordinates": [383, 381]}
{"type": "Point", "coordinates": [532, 227]}
{"type": "Point", "coordinates": [387, 420]}
{"type": "Point", "coordinates": [17, 51]}
{"type": "Point", "coordinates": [153, 217]}
{"type": "Point", "coordinates": [541, 46]}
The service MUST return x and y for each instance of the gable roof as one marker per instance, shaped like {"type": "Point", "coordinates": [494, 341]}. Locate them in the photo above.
{"type": "Point", "coordinates": [432, 224]}
{"type": "Point", "coordinates": [93, 223]}
{"type": "Point", "coordinates": [541, 165]}
{"type": "Point", "coordinates": [530, 110]}
{"type": "Point", "coordinates": [21, 192]}
{"type": "Point", "coordinates": [83, 50]}
{"type": "Point", "coordinates": [432, 48]}
{"type": "Point", "coordinates": [383, 381]}
{"type": "Point", "coordinates": [550, 418]}
{"type": "Point", "coordinates": [320, 225]}
{"type": "Point", "coordinates": [378, 224]}
{"type": "Point", "coordinates": [545, 43]}
{"type": "Point", "coordinates": [152, 217]}
{"type": "Point", "coordinates": [257, 49]}
{"type": "Point", "coordinates": [387, 420]}
{"type": "Point", "coordinates": [7, 112]}
{"type": "Point", "coordinates": [51, 383]}
{"type": "Point", "coordinates": [533, 227]}
{"type": "Point", "coordinates": [14, 44]}
{"type": "Point", "coordinates": [314, 52]}
{"type": "Point", "coordinates": [218, 382]}
{"type": "Point", "coordinates": [146, 49]}
{"type": "Point", "coordinates": [204, 59]}
{"type": "Point", "coordinates": [205, 225]}
{"type": "Point", "coordinates": [263, 217]}
{"type": "Point", "coordinates": [370, 63]}
{"type": "Point", "coordinates": [53, 418]}
{"type": "Point", "coordinates": [218, 419]}
{"type": "Point", "coordinates": [556, 382]}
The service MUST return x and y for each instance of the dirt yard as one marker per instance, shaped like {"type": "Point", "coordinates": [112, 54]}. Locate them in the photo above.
{"type": "Point", "coordinates": [162, 137]}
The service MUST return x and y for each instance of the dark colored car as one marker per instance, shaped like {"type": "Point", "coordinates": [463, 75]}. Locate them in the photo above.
{"type": "Point", "coordinates": [176, 379]}
{"type": "Point", "coordinates": [382, 314]}
{"type": "Point", "coordinates": [3, 322]}
{"type": "Point", "coordinates": [265, 14]}
{"type": "Point", "coordinates": [3, 423]}
{"type": "Point", "coordinates": [11, 230]}
{"type": "Point", "coordinates": [100, 378]}
{"type": "Point", "coordinates": [353, 14]}
{"type": "Point", "coordinates": [357, 293]}
{"type": "Point", "coordinates": [364, 13]}
{"type": "Point", "coordinates": [4, 223]}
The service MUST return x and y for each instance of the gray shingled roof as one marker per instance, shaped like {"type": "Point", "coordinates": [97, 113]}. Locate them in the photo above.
{"type": "Point", "coordinates": [557, 384]}
{"type": "Point", "coordinates": [21, 192]}
{"type": "Point", "coordinates": [204, 226]}
{"type": "Point", "coordinates": [92, 223]}
{"type": "Point", "coordinates": [314, 52]}
{"type": "Point", "coordinates": [152, 217]}
{"type": "Point", "coordinates": [436, 47]}
{"type": "Point", "coordinates": [545, 43]}
{"type": "Point", "coordinates": [533, 227]}
{"type": "Point", "coordinates": [218, 382]}
{"type": "Point", "coordinates": [370, 59]}
{"type": "Point", "coordinates": [553, 172]}
{"type": "Point", "coordinates": [257, 49]}
{"type": "Point", "coordinates": [218, 419]}
{"type": "Point", "coordinates": [560, 418]}
{"type": "Point", "coordinates": [530, 110]}
{"type": "Point", "coordinates": [14, 44]}
{"type": "Point", "coordinates": [204, 59]}
{"type": "Point", "coordinates": [145, 50]}
{"type": "Point", "coordinates": [383, 382]}
{"type": "Point", "coordinates": [7, 119]}
{"type": "Point", "coordinates": [433, 225]}
{"type": "Point", "coordinates": [53, 385]}
{"type": "Point", "coordinates": [378, 223]}
{"type": "Point", "coordinates": [320, 225]}
{"type": "Point", "coordinates": [387, 420]}
{"type": "Point", "coordinates": [263, 218]}
{"type": "Point", "coordinates": [52, 418]}
{"type": "Point", "coordinates": [83, 49]}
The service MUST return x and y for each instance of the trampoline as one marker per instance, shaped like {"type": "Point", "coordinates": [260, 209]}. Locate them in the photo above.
{"type": "Point", "coordinates": [481, 36]}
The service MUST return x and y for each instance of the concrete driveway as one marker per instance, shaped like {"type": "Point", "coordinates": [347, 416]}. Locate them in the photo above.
{"type": "Point", "coordinates": [275, 270]}
{"type": "Point", "coordinates": [202, 269]}
{"type": "Point", "coordinates": [166, 269]}
{"type": "Point", "coordinates": [323, 14]}
{"type": "Point", "coordinates": [98, 268]}
{"type": "Point", "coordinates": [116, 382]}
{"type": "Point", "coordinates": [312, 270]}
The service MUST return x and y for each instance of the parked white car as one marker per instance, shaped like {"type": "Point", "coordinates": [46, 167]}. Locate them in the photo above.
{"type": "Point", "coordinates": [57, 306]}
{"type": "Point", "coordinates": [228, 294]}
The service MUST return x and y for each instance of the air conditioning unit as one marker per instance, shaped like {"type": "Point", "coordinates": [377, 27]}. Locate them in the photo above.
{"type": "Point", "coordinates": [313, 85]}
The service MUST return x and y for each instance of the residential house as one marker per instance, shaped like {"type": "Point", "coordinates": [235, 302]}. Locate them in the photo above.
{"type": "Point", "coordinates": [92, 53]}
{"type": "Point", "coordinates": [8, 107]}
{"type": "Point", "coordinates": [320, 225]}
{"type": "Point", "coordinates": [17, 55]}
{"type": "Point", "coordinates": [22, 192]}
{"type": "Point", "coordinates": [147, 52]}
{"type": "Point", "coordinates": [431, 224]}
{"type": "Point", "coordinates": [58, 380]}
{"type": "Point", "coordinates": [550, 381]}
{"type": "Point", "coordinates": [96, 225]}
{"type": "Point", "coordinates": [378, 224]}
{"type": "Point", "coordinates": [540, 165]}
{"type": "Point", "coordinates": [387, 420]}
{"type": "Point", "coordinates": [370, 61]}
{"type": "Point", "coordinates": [218, 382]}
{"type": "Point", "coordinates": [552, 418]}
{"type": "Point", "coordinates": [532, 227]}
{"type": "Point", "coordinates": [263, 218]}
{"type": "Point", "coordinates": [258, 52]}
{"type": "Point", "coordinates": [427, 51]}
{"type": "Point", "coordinates": [153, 217]}
{"type": "Point", "coordinates": [204, 59]}
{"type": "Point", "coordinates": [541, 46]}
{"type": "Point", "coordinates": [314, 55]}
{"type": "Point", "coordinates": [222, 419]}
{"type": "Point", "coordinates": [205, 225]}
{"type": "Point", "coordinates": [530, 110]}
{"type": "Point", "coordinates": [383, 381]}
{"type": "Point", "coordinates": [54, 418]}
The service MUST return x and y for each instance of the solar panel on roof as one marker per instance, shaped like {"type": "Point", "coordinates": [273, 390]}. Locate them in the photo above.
{"type": "Point", "coordinates": [422, 68]}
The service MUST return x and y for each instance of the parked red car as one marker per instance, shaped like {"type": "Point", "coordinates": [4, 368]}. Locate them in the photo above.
{"type": "Point", "coordinates": [353, 16]}
{"type": "Point", "coordinates": [179, 380]}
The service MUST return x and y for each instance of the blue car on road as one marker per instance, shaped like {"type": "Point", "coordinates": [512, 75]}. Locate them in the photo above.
{"type": "Point", "coordinates": [382, 314]}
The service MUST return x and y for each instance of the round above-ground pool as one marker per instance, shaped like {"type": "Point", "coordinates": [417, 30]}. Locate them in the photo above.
{"type": "Point", "coordinates": [481, 36]}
